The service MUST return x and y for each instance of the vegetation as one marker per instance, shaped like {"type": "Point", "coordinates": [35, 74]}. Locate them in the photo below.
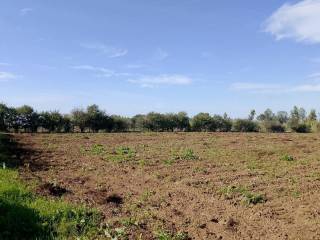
{"type": "Point", "coordinates": [93, 119]}
{"type": "Point", "coordinates": [26, 216]}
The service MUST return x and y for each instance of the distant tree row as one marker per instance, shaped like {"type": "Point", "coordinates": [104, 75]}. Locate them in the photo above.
{"type": "Point", "coordinates": [93, 119]}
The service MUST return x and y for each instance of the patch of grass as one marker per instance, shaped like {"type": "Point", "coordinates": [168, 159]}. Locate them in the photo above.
{"type": "Point", "coordinates": [287, 157]}
{"type": "Point", "coordinates": [97, 149]}
{"type": "Point", "coordinates": [115, 233]}
{"type": "Point", "coordinates": [122, 154]}
{"type": "Point", "coordinates": [186, 154]}
{"type": "Point", "coordinates": [169, 162]}
{"type": "Point", "coordinates": [164, 235]}
{"type": "Point", "coordinates": [248, 197]}
{"type": "Point", "coordinates": [26, 216]}
{"type": "Point", "coordinates": [23, 215]}
{"type": "Point", "coordinates": [253, 198]}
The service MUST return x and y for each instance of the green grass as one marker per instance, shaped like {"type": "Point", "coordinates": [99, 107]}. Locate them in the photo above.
{"type": "Point", "coordinates": [164, 235]}
{"type": "Point", "coordinates": [248, 197]}
{"type": "Point", "coordinates": [185, 154]}
{"type": "Point", "coordinates": [23, 215]}
{"type": "Point", "coordinates": [26, 216]}
{"type": "Point", "coordinates": [287, 157]}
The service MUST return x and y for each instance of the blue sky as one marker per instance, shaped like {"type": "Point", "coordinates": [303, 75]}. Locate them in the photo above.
{"type": "Point", "coordinates": [138, 56]}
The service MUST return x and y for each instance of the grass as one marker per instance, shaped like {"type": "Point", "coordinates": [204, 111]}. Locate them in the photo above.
{"type": "Point", "coordinates": [164, 235]}
{"type": "Point", "coordinates": [248, 197]}
{"type": "Point", "coordinates": [27, 216]}
{"type": "Point", "coordinates": [287, 157]}
{"type": "Point", "coordinates": [186, 154]}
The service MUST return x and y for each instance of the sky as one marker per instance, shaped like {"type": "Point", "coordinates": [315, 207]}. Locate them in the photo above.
{"type": "Point", "coordinates": [139, 56]}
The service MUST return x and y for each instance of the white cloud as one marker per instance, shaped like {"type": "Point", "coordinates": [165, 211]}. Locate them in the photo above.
{"type": "Point", "coordinates": [155, 81]}
{"type": "Point", "coordinates": [25, 11]}
{"type": "Point", "coordinates": [100, 71]}
{"type": "Point", "coordinates": [254, 86]}
{"type": "Point", "coordinates": [5, 64]}
{"type": "Point", "coordinates": [275, 88]}
{"type": "Point", "coordinates": [298, 21]}
{"type": "Point", "coordinates": [110, 51]}
{"type": "Point", "coordinates": [161, 54]}
{"type": "Point", "coordinates": [135, 66]}
{"type": "Point", "coordinates": [306, 88]}
{"type": "Point", "coordinates": [6, 76]}
{"type": "Point", "coordinates": [314, 76]}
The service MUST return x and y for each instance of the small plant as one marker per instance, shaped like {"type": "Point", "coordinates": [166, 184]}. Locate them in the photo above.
{"type": "Point", "coordinates": [122, 154]}
{"type": "Point", "coordinates": [248, 197]}
{"type": "Point", "coordinates": [125, 151]}
{"type": "Point", "coordinates": [97, 149]}
{"type": "Point", "coordinates": [187, 154]}
{"type": "Point", "coordinates": [251, 198]}
{"type": "Point", "coordinates": [164, 235]}
{"type": "Point", "coordinates": [287, 158]}
{"type": "Point", "coordinates": [127, 222]}
{"type": "Point", "coordinates": [115, 233]}
{"type": "Point", "coordinates": [168, 162]}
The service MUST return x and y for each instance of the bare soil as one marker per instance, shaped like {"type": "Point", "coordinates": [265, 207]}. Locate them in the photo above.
{"type": "Point", "coordinates": [207, 185]}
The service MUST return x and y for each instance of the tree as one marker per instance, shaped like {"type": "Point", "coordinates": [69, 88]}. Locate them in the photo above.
{"type": "Point", "coordinates": [155, 122]}
{"type": "Point", "coordinates": [79, 119]}
{"type": "Point", "coordinates": [120, 124]}
{"type": "Point", "coordinates": [3, 117]}
{"type": "Point", "coordinates": [245, 125]}
{"type": "Point", "coordinates": [95, 118]}
{"type": "Point", "coordinates": [203, 122]}
{"type": "Point", "coordinates": [183, 121]}
{"type": "Point", "coordinates": [252, 115]}
{"type": "Point", "coordinates": [312, 117]}
{"type": "Point", "coordinates": [27, 118]}
{"type": "Point", "coordinates": [297, 120]}
{"type": "Point", "coordinates": [138, 122]}
{"type": "Point", "coordinates": [51, 121]}
{"type": "Point", "coordinates": [268, 115]}
{"type": "Point", "coordinates": [282, 117]}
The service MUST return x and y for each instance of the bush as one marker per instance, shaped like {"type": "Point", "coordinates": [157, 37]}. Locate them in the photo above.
{"type": "Point", "coordinates": [301, 128]}
{"type": "Point", "coordinates": [277, 128]}
{"type": "Point", "coordinates": [287, 158]}
{"type": "Point", "coordinates": [245, 125]}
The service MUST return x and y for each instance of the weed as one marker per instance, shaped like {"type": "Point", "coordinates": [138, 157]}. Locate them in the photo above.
{"type": "Point", "coordinates": [164, 235]}
{"type": "Point", "coordinates": [248, 197]}
{"type": "Point", "coordinates": [97, 149]}
{"type": "Point", "coordinates": [122, 154]}
{"type": "Point", "coordinates": [128, 222]}
{"type": "Point", "coordinates": [287, 157]}
{"type": "Point", "coordinates": [115, 233]}
{"type": "Point", "coordinates": [186, 154]}
{"type": "Point", "coordinates": [25, 216]}
{"type": "Point", "coordinates": [252, 198]}
{"type": "Point", "coordinates": [169, 162]}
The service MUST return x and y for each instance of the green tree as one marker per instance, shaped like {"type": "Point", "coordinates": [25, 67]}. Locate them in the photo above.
{"type": "Point", "coordinates": [3, 117]}
{"type": "Point", "coordinates": [28, 119]}
{"type": "Point", "coordinates": [79, 119]}
{"type": "Point", "coordinates": [203, 122]}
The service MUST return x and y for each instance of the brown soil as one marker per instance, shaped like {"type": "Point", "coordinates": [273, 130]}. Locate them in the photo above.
{"type": "Point", "coordinates": [230, 186]}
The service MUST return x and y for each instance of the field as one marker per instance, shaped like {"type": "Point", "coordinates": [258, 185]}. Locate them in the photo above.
{"type": "Point", "coordinates": [182, 185]}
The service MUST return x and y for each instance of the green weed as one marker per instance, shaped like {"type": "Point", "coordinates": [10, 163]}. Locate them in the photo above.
{"type": "Point", "coordinates": [287, 157]}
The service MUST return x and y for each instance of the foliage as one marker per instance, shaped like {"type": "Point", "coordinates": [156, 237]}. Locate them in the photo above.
{"type": "Point", "coordinates": [287, 157]}
{"type": "Point", "coordinates": [27, 216]}
{"type": "Point", "coordinates": [244, 125]}
{"type": "Point", "coordinates": [93, 119]}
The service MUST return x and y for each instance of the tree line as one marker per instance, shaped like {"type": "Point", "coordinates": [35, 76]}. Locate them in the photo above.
{"type": "Point", "coordinates": [93, 119]}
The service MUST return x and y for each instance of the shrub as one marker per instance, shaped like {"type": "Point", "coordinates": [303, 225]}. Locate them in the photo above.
{"type": "Point", "coordinates": [276, 128]}
{"type": "Point", "coordinates": [301, 128]}
{"type": "Point", "coordinates": [287, 157]}
{"type": "Point", "coordinates": [245, 125]}
{"type": "Point", "coordinates": [186, 154]}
